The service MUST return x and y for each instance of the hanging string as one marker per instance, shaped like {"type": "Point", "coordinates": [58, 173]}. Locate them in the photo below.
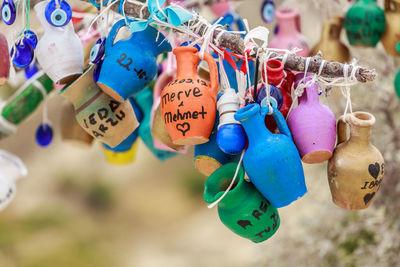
{"type": "Point", "coordinates": [224, 78]}
{"type": "Point", "coordinates": [230, 185]}
{"type": "Point", "coordinates": [39, 86]}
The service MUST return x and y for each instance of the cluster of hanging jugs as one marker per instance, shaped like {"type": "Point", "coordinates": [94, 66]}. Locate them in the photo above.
{"type": "Point", "coordinates": [255, 141]}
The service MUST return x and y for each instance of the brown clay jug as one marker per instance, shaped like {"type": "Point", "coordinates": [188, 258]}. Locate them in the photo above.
{"type": "Point", "coordinates": [391, 36]}
{"type": "Point", "coordinates": [330, 45]}
{"type": "Point", "coordinates": [188, 103]}
{"type": "Point", "coordinates": [104, 118]}
{"type": "Point", "coordinates": [71, 131]}
{"type": "Point", "coordinates": [356, 168]}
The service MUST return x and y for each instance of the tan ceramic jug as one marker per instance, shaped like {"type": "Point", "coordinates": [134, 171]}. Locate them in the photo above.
{"type": "Point", "coordinates": [356, 168]}
{"type": "Point", "coordinates": [330, 45]}
{"type": "Point", "coordinates": [391, 36]}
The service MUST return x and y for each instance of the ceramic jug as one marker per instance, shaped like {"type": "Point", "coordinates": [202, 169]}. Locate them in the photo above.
{"type": "Point", "coordinates": [243, 209]}
{"type": "Point", "coordinates": [24, 102]}
{"type": "Point", "coordinates": [105, 119]}
{"type": "Point", "coordinates": [330, 45]}
{"type": "Point", "coordinates": [144, 99]}
{"type": "Point", "coordinates": [356, 168]}
{"type": "Point", "coordinates": [130, 65]}
{"type": "Point", "coordinates": [364, 23]}
{"type": "Point", "coordinates": [188, 103]}
{"type": "Point", "coordinates": [313, 125]}
{"type": "Point", "coordinates": [59, 51]}
{"type": "Point", "coordinates": [391, 35]}
{"type": "Point", "coordinates": [208, 157]}
{"type": "Point", "coordinates": [71, 131]}
{"type": "Point", "coordinates": [11, 169]}
{"type": "Point", "coordinates": [127, 144]}
{"type": "Point", "coordinates": [4, 60]}
{"type": "Point", "coordinates": [271, 160]}
{"type": "Point", "coordinates": [121, 158]}
{"type": "Point", "coordinates": [289, 35]}
{"type": "Point", "coordinates": [161, 138]}
{"type": "Point", "coordinates": [276, 76]}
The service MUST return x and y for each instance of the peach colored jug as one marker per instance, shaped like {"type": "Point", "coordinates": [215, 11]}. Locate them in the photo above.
{"type": "Point", "coordinates": [188, 103]}
{"type": "Point", "coordinates": [356, 169]}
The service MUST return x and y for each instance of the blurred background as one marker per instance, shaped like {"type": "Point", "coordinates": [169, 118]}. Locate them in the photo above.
{"type": "Point", "coordinates": [75, 209]}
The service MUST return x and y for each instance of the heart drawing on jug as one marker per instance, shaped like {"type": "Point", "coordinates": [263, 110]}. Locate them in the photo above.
{"type": "Point", "coordinates": [374, 169]}
{"type": "Point", "coordinates": [183, 127]}
{"type": "Point", "coordinates": [368, 197]}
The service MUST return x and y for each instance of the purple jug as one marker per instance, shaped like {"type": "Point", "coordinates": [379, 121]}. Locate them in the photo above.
{"type": "Point", "coordinates": [312, 124]}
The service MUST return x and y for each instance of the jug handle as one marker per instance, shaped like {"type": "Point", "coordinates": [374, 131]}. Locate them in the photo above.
{"type": "Point", "coordinates": [113, 33]}
{"type": "Point", "coordinates": [341, 130]}
{"type": "Point", "coordinates": [214, 82]}
{"type": "Point", "coordinates": [279, 119]}
{"type": "Point", "coordinates": [387, 5]}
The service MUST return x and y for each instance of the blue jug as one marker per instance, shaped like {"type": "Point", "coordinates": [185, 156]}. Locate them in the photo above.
{"type": "Point", "coordinates": [144, 99]}
{"type": "Point", "coordinates": [271, 160]}
{"type": "Point", "coordinates": [130, 65]}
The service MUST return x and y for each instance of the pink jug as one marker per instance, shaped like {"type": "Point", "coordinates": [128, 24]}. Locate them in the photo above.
{"type": "Point", "coordinates": [4, 60]}
{"type": "Point", "coordinates": [312, 124]}
{"type": "Point", "coordinates": [289, 35]}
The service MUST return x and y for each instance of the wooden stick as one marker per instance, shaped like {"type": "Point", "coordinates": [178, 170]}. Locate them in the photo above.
{"type": "Point", "coordinates": [235, 43]}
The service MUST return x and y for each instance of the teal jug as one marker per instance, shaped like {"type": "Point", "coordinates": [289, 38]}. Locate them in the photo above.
{"type": "Point", "coordinates": [144, 99]}
{"type": "Point", "coordinates": [243, 209]}
{"type": "Point", "coordinates": [130, 65]}
{"type": "Point", "coordinates": [271, 160]}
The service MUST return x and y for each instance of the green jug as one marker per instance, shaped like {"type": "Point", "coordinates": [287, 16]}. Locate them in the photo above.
{"type": "Point", "coordinates": [364, 23]}
{"type": "Point", "coordinates": [243, 209]}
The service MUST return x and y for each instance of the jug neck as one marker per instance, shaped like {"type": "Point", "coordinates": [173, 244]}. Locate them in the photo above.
{"type": "Point", "coordinates": [252, 119]}
{"type": "Point", "coordinates": [288, 20]}
{"type": "Point", "coordinates": [360, 126]}
{"type": "Point", "coordinates": [81, 90]}
{"type": "Point", "coordinates": [187, 59]}
{"type": "Point", "coordinates": [331, 30]}
{"type": "Point", "coordinates": [274, 72]}
{"type": "Point", "coordinates": [218, 183]}
{"type": "Point", "coordinates": [310, 94]}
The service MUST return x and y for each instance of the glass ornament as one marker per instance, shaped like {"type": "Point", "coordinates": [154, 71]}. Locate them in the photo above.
{"type": "Point", "coordinates": [31, 37]}
{"type": "Point", "coordinates": [31, 70]}
{"type": "Point", "coordinates": [96, 72]}
{"type": "Point", "coordinates": [44, 134]}
{"type": "Point", "coordinates": [8, 12]}
{"type": "Point", "coordinates": [58, 15]}
{"type": "Point", "coordinates": [24, 53]}
{"type": "Point", "coordinates": [276, 98]}
{"type": "Point", "coordinates": [268, 11]}
{"type": "Point", "coordinates": [97, 52]}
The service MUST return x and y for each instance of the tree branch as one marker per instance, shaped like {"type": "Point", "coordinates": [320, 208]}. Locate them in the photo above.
{"type": "Point", "coordinates": [235, 43]}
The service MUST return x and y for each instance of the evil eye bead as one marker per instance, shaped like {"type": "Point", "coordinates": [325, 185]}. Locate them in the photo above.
{"type": "Point", "coordinates": [58, 16]}
{"type": "Point", "coordinates": [31, 37]}
{"type": "Point", "coordinates": [97, 52]}
{"type": "Point", "coordinates": [24, 53]}
{"type": "Point", "coordinates": [8, 12]}
{"type": "Point", "coordinates": [268, 11]}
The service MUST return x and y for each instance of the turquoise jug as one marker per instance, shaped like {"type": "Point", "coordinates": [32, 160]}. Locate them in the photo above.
{"type": "Point", "coordinates": [243, 209]}
{"type": "Point", "coordinates": [144, 99]}
{"type": "Point", "coordinates": [130, 65]}
{"type": "Point", "coordinates": [271, 160]}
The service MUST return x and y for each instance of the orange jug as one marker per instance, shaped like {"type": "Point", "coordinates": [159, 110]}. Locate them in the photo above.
{"type": "Point", "coordinates": [188, 103]}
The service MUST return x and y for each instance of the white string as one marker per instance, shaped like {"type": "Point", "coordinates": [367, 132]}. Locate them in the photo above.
{"type": "Point", "coordinates": [230, 185]}
{"type": "Point", "coordinates": [100, 14]}
{"type": "Point", "coordinates": [39, 86]}
{"type": "Point", "coordinates": [207, 37]}
{"type": "Point", "coordinates": [224, 78]}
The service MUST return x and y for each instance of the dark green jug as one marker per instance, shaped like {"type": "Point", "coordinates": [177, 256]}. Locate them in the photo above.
{"type": "Point", "coordinates": [364, 23]}
{"type": "Point", "coordinates": [243, 209]}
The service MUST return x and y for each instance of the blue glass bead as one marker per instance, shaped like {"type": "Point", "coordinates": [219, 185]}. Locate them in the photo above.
{"type": "Point", "coordinates": [97, 52]}
{"type": "Point", "coordinates": [8, 12]}
{"type": "Point", "coordinates": [96, 72]}
{"type": "Point", "coordinates": [44, 135]}
{"type": "Point", "coordinates": [276, 29]}
{"type": "Point", "coordinates": [24, 53]}
{"type": "Point", "coordinates": [268, 11]}
{"type": "Point", "coordinates": [58, 17]}
{"type": "Point", "coordinates": [31, 37]}
{"type": "Point", "coordinates": [231, 138]}
{"type": "Point", "coordinates": [159, 69]}
{"type": "Point", "coordinates": [31, 70]}
{"type": "Point", "coordinates": [276, 98]}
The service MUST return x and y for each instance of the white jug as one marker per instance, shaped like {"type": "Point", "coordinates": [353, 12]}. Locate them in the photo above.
{"type": "Point", "coordinates": [59, 51]}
